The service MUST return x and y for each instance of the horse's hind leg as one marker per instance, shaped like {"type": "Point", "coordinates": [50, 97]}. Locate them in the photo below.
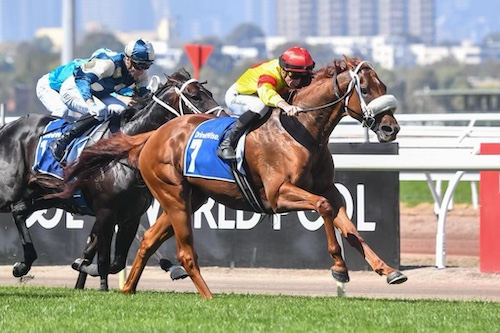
{"type": "Point", "coordinates": [20, 214]}
{"type": "Point", "coordinates": [349, 231]}
{"type": "Point", "coordinates": [292, 197]}
{"type": "Point", "coordinates": [124, 238]}
{"type": "Point", "coordinates": [81, 264]}
{"type": "Point", "coordinates": [104, 236]}
{"type": "Point", "coordinates": [151, 241]}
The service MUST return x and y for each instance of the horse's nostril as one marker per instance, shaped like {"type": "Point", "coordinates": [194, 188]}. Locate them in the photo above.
{"type": "Point", "coordinates": [389, 129]}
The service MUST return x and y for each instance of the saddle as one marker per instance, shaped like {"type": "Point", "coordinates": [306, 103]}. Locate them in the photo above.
{"type": "Point", "coordinates": [44, 160]}
{"type": "Point", "coordinates": [202, 161]}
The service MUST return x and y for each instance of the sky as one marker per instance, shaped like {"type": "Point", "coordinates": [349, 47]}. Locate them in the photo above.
{"type": "Point", "coordinates": [466, 19]}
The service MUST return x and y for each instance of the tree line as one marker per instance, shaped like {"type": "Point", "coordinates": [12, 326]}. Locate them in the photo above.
{"type": "Point", "coordinates": [22, 64]}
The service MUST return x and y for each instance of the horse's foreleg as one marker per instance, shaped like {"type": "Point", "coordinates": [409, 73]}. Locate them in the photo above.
{"type": "Point", "coordinates": [291, 198]}
{"type": "Point", "coordinates": [185, 251]}
{"type": "Point", "coordinates": [349, 231]}
{"type": "Point", "coordinates": [151, 241]}
{"type": "Point", "coordinates": [20, 215]}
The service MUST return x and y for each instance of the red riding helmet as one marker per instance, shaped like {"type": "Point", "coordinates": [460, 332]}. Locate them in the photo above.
{"type": "Point", "coordinates": [296, 59]}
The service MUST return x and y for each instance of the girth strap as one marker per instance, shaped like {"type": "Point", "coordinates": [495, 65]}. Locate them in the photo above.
{"type": "Point", "coordinates": [246, 189]}
{"type": "Point", "coordinates": [299, 133]}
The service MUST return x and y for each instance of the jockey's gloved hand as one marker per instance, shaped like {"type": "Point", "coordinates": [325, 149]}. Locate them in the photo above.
{"type": "Point", "coordinates": [99, 112]}
{"type": "Point", "coordinates": [290, 110]}
{"type": "Point", "coordinates": [115, 108]}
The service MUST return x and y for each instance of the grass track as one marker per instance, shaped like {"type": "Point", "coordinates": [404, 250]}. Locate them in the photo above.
{"type": "Point", "coordinates": [39, 309]}
{"type": "Point", "coordinates": [413, 193]}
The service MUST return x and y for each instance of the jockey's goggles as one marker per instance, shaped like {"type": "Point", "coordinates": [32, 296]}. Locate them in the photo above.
{"type": "Point", "coordinates": [140, 65]}
{"type": "Point", "coordinates": [297, 75]}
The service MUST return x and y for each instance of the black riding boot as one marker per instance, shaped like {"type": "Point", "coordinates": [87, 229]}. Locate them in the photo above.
{"type": "Point", "coordinates": [79, 127]}
{"type": "Point", "coordinates": [226, 147]}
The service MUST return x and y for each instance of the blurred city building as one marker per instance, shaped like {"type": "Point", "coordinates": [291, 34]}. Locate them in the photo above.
{"type": "Point", "coordinates": [392, 33]}
{"type": "Point", "coordinates": [412, 19]}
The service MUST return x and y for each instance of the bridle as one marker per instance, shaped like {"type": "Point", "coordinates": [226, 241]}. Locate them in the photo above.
{"type": "Point", "coordinates": [153, 87]}
{"type": "Point", "coordinates": [369, 112]}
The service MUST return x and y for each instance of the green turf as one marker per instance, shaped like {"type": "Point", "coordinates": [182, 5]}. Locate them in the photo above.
{"type": "Point", "coordinates": [412, 193]}
{"type": "Point", "coordinates": [36, 309]}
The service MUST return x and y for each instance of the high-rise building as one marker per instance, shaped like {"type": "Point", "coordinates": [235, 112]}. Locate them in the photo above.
{"type": "Point", "coordinates": [393, 17]}
{"type": "Point", "coordinates": [421, 23]}
{"type": "Point", "coordinates": [332, 18]}
{"type": "Point", "coordinates": [400, 18]}
{"type": "Point", "coordinates": [362, 17]}
{"type": "Point", "coordinates": [296, 18]}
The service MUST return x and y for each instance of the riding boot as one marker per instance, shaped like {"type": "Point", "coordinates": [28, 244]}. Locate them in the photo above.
{"type": "Point", "coordinates": [79, 127]}
{"type": "Point", "coordinates": [226, 147]}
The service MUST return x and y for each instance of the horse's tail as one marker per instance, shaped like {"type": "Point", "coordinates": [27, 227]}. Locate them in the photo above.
{"type": "Point", "coordinates": [103, 154]}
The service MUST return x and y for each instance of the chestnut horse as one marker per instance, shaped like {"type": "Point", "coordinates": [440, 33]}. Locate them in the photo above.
{"type": "Point", "coordinates": [116, 196]}
{"type": "Point", "coordinates": [286, 159]}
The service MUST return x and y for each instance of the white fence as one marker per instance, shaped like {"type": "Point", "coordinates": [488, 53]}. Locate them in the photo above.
{"type": "Point", "coordinates": [434, 148]}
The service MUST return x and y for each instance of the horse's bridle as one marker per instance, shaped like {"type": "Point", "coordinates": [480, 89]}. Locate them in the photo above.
{"type": "Point", "coordinates": [376, 106]}
{"type": "Point", "coordinates": [153, 87]}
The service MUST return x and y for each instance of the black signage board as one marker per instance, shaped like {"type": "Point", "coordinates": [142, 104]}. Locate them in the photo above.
{"type": "Point", "coordinates": [228, 238]}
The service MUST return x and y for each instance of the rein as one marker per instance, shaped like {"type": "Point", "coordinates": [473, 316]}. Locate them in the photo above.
{"type": "Point", "coordinates": [354, 78]}
{"type": "Point", "coordinates": [375, 107]}
{"type": "Point", "coordinates": [153, 87]}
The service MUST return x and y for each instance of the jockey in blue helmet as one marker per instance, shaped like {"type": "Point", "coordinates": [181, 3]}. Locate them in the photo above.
{"type": "Point", "coordinates": [89, 90]}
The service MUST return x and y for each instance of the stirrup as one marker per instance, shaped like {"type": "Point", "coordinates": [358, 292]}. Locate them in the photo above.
{"type": "Point", "coordinates": [226, 153]}
{"type": "Point", "coordinates": [57, 150]}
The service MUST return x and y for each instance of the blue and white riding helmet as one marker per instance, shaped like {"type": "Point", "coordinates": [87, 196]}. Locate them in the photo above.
{"type": "Point", "coordinates": [140, 52]}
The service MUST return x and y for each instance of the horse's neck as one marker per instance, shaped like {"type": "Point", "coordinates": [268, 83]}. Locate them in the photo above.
{"type": "Point", "coordinates": [149, 118]}
{"type": "Point", "coordinates": [319, 123]}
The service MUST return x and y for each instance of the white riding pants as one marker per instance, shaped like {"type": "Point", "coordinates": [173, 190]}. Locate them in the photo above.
{"type": "Point", "coordinates": [50, 98]}
{"type": "Point", "coordinates": [71, 97]}
{"type": "Point", "coordinates": [239, 104]}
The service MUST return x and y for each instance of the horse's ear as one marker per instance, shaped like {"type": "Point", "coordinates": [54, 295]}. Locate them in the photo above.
{"type": "Point", "coordinates": [331, 70]}
{"type": "Point", "coordinates": [349, 62]}
{"type": "Point", "coordinates": [171, 78]}
{"type": "Point", "coordinates": [185, 73]}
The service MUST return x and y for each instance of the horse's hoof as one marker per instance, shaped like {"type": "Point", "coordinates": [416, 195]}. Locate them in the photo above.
{"type": "Point", "coordinates": [340, 276]}
{"type": "Point", "coordinates": [396, 277]}
{"type": "Point", "coordinates": [128, 292]}
{"type": "Point", "coordinates": [165, 264]}
{"type": "Point", "coordinates": [177, 273]}
{"type": "Point", "coordinates": [20, 269]}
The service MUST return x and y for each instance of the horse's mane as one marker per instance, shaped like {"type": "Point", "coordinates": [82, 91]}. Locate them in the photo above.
{"type": "Point", "coordinates": [328, 71]}
{"type": "Point", "coordinates": [336, 66]}
{"type": "Point", "coordinates": [140, 103]}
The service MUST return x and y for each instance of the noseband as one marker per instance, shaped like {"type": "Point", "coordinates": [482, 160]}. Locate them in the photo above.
{"type": "Point", "coordinates": [153, 87]}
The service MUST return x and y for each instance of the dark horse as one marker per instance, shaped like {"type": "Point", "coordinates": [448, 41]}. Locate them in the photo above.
{"type": "Point", "coordinates": [286, 158]}
{"type": "Point", "coordinates": [117, 195]}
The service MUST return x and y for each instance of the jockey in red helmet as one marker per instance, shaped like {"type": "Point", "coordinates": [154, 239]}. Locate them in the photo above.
{"type": "Point", "coordinates": [262, 87]}
{"type": "Point", "coordinates": [296, 59]}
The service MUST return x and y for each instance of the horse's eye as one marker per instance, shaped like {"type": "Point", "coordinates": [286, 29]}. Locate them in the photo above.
{"type": "Point", "coordinates": [205, 91]}
{"type": "Point", "coordinates": [364, 91]}
{"type": "Point", "coordinates": [196, 97]}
